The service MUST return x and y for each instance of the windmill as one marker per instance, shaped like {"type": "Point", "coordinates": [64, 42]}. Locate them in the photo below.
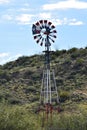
{"type": "Point", "coordinates": [44, 33]}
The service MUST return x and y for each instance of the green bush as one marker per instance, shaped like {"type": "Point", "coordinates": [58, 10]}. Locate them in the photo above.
{"type": "Point", "coordinates": [21, 118]}
{"type": "Point", "coordinates": [5, 75]}
{"type": "Point", "coordinates": [80, 61]}
{"type": "Point", "coordinates": [73, 50]}
{"type": "Point", "coordinates": [30, 89]}
{"type": "Point", "coordinates": [70, 122]}
{"type": "Point", "coordinates": [64, 95]}
{"type": "Point", "coordinates": [17, 118]}
{"type": "Point", "coordinates": [58, 53]}
{"type": "Point", "coordinates": [14, 100]}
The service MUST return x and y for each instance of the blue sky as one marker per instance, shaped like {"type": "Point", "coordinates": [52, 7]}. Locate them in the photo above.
{"type": "Point", "coordinates": [17, 17]}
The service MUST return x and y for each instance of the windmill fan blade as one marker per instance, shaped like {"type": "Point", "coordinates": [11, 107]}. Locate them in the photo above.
{"type": "Point", "coordinates": [39, 39]}
{"type": "Point", "coordinates": [42, 42]}
{"type": "Point", "coordinates": [41, 21]}
{"type": "Point", "coordinates": [51, 39]}
{"type": "Point", "coordinates": [54, 31]}
{"type": "Point", "coordinates": [45, 21]}
{"type": "Point", "coordinates": [37, 24]}
{"type": "Point", "coordinates": [41, 24]}
{"type": "Point", "coordinates": [52, 27]}
{"type": "Point", "coordinates": [53, 36]}
{"type": "Point", "coordinates": [36, 36]}
{"type": "Point", "coordinates": [49, 23]}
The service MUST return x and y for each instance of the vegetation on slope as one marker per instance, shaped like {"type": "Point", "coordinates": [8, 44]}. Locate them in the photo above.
{"type": "Point", "coordinates": [20, 82]}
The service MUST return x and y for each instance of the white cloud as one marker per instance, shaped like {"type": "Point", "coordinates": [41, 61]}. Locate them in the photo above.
{"type": "Point", "coordinates": [57, 21]}
{"type": "Point", "coordinates": [68, 4]}
{"type": "Point", "coordinates": [24, 18]}
{"type": "Point", "coordinates": [75, 22]}
{"type": "Point", "coordinates": [26, 4]}
{"type": "Point", "coordinates": [45, 15]}
{"type": "Point", "coordinates": [14, 57]}
{"type": "Point", "coordinates": [4, 1]}
{"type": "Point", "coordinates": [4, 55]}
{"type": "Point", "coordinates": [66, 21]}
{"type": "Point", "coordinates": [24, 9]}
{"type": "Point", "coordinates": [7, 17]}
{"type": "Point", "coordinates": [7, 57]}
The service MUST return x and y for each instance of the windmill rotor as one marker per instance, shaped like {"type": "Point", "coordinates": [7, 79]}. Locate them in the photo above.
{"type": "Point", "coordinates": [42, 30]}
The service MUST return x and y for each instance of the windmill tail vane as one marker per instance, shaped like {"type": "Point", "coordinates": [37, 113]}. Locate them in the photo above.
{"type": "Point", "coordinates": [35, 30]}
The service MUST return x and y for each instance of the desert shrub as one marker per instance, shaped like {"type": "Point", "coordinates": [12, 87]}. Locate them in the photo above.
{"type": "Point", "coordinates": [36, 76]}
{"type": "Point", "coordinates": [15, 74]}
{"type": "Point", "coordinates": [21, 118]}
{"type": "Point", "coordinates": [76, 97]}
{"type": "Point", "coordinates": [14, 100]}
{"type": "Point", "coordinates": [3, 81]}
{"type": "Point", "coordinates": [67, 62]}
{"type": "Point", "coordinates": [58, 53]}
{"type": "Point", "coordinates": [8, 65]}
{"type": "Point", "coordinates": [69, 122]}
{"type": "Point", "coordinates": [17, 118]}
{"type": "Point", "coordinates": [21, 60]}
{"type": "Point", "coordinates": [59, 82]}
{"type": "Point", "coordinates": [83, 52]}
{"type": "Point", "coordinates": [64, 95]}
{"type": "Point", "coordinates": [30, 89]}
{"type": "Point", "coordinates": [74, 55]}
{"type": "Point", "coordinates": [72, 50]}
{"type": "Point", "coordinates": [86, 47]}
{"type": "Point", "coordinates": [4, 75]}
{"type": "Point", "coordinates": [34, 99]}
{"type": "Point", "coordinates": [80, 61]}
{"type": "Point", "coordinates": [27, 74]}
{"type": "Point", "coordinates": [1, 97]}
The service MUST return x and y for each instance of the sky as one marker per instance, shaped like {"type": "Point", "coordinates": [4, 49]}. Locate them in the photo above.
{"type": "Point", "coordinates": [17, 17]}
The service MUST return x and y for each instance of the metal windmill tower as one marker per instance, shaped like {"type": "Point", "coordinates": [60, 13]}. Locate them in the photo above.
{"type": "Point", "coordinates": [44, 33]}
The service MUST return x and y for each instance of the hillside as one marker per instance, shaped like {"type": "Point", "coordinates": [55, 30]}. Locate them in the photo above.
{"type": "Point", "coordinates": [20, 83]}
{"type": "Point", "coordinates": [20, 80]}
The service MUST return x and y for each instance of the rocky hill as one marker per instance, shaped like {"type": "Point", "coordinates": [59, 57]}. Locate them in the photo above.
{"type": "Point", "coordinates": [20, 80]}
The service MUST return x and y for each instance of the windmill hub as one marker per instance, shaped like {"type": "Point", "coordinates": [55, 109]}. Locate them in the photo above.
{"type": "Point", "coordinates": [43, 33]}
